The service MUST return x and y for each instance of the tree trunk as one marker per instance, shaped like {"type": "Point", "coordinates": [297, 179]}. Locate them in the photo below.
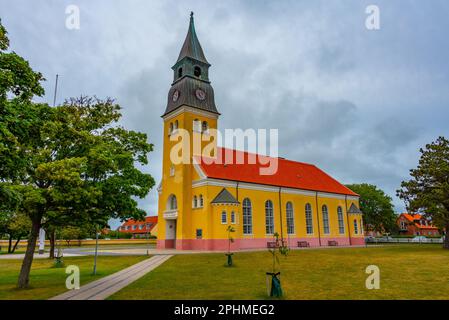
{"type": "Point", "coordinates": [15, 245]}
{"type": "Point", "coordinates": [9, 243]}
{"type": "Point", "coordinates": [446, 238]}
{"type": "Point", "coordinates": [52, 238]}
{"type": "Point", "coordinates": [24, 276]}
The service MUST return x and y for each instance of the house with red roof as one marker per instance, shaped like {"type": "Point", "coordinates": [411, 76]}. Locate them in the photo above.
{"type": "Point", "coordinates": [416, 224]}
{"type": "Point", "coordinates": [140, 229]}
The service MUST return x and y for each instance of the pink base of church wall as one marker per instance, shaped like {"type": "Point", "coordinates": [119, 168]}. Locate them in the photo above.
{"type": "Point", "coordinates": [259, 243]}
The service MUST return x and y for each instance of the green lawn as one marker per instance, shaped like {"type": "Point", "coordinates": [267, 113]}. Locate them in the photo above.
{"type": "Point", "coordinates": [47, 281]}
{"type": "Point", "coordinates": [406, 272]}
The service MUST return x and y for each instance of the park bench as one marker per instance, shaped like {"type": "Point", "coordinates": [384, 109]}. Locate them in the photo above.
{"type": "Point", "coordinates": [303, 244]}
{"type": "Point", "coordinates": [271, 244]}
{"type": "Point", "coordinates": [332, 243]}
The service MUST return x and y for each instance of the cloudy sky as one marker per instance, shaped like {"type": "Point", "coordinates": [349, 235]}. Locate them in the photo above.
{"type": "Point", "coordinates": [358, 103]}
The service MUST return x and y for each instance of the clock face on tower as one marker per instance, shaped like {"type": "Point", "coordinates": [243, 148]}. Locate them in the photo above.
{"type": "Point", "coordinates": [200, 94]}
{"type": "Point", "coordinates": [175, 95]}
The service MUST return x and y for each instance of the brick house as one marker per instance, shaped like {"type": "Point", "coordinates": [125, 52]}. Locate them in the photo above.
{"type": "Point", "coordinates": [140, 229]}
{"type": "Point", "coordinates": [416, 224]}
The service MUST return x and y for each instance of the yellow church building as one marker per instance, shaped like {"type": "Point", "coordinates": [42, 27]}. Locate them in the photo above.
{"type": "Point", "coordinates": [200, 199]}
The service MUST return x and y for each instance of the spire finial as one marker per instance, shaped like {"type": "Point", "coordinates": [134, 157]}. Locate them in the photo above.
{"type": "Point", "coordinates": [191, 14]}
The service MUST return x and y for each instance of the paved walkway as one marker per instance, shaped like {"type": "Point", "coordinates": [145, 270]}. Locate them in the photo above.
{"type": "Point", "coordinates": [20, 256]}
{"type": "Point", "coordinates": [104, 287]}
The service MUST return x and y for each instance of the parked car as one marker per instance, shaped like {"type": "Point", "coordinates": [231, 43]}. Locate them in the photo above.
{"type": "Point", "coordinates": [419, 239]}
{"type": "Point", "coordinates": [386, 238]}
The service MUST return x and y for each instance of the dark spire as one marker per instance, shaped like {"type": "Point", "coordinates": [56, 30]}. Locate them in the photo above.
{"type": "Point", "coordinates": [191, 47]}
{"type": "Point", "coordinates": [191, 86]}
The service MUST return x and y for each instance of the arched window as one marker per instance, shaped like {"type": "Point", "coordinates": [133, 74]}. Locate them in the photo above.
{"type": "Point", "coordinates": [172, 170]}
{"type": "Point", "coordinates": [224, 217]}
{"type": "Point", "coordinates": [172, 203]}
{"type": "Point", "coordinates": [196, 125]}
{"type": "Point", "coordinates": [356, 228]}
{"type": "Point", "coordinates": [325, 219]}
{"type": "Point", "coordinates": [309, 220]}
{"type": "Point", "coordinates": [170, 129]}
{"type": "Point", "coordinates": [195, 201]}
{"type": "Point", "coordinates": [175, 127]}
{"type": "Point", "coordinates": [341, 224]}
{"type": "Point", "coordinates": [205, 127]}
{"type": "Point", "coordinates": [179, 72]}
{"type": "Point", "coordinates": [290, 218]}
{"type": "Point", "coordinates": [197, 71]}
{"type": "Point", "coordinates": [269, 217]}
{"type": "Point", "coordinates": [247, 217]}
{"type": "Point", "coordinates": [201, 200]}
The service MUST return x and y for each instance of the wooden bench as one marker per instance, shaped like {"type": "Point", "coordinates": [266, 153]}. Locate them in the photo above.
{"type": "Point", "coordinates": [332, 243]}
{"type": "Point", "coordinates": [271, 244]}
{"type": "Point", "coordinates": [303, 244]}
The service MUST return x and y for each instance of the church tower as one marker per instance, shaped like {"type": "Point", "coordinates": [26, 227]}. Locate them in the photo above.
{"type": "Point", "coordinates": [190, 115]}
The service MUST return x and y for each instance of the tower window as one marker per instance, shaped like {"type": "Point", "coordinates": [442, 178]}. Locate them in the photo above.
{"type": "Point", "coordinates": [179, 72]}
{"type": "Point", "coordinates": [197, 71]}
{"type": "Point", "coordinates": [196, 125]}
{"type": "Point", "coordinates": [205, 127]}
{"type": "Point", "coordinates": [172, 204]}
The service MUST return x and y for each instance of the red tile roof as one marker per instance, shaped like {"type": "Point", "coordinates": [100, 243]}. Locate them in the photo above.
{"type": "Point", "coordinates": [290, 174]}
{"type": "Point", "coordinates": [416, 216]}
{"type": "Point", "coordinates": [152, 220]}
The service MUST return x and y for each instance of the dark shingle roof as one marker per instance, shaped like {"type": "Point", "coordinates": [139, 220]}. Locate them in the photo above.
{"type": "Point", "coordinates": [353, 209]}
{"type": "Point", "coordinates": [224, 196]}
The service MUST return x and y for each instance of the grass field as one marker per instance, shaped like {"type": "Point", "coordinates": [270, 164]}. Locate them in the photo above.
{"type": "Point", "coordinates": [47, 281]}
{"type": "Point", "coordinates": [406, 272]}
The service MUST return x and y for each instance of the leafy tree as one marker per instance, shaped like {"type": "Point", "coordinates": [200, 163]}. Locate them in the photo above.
{"type": "Point", "coordinates": [377, 208]}
{"type": "Point", "coordinates": [16, 226]}
{"type": "Point", "coordinates": [17, 117]}
{"type": "Point", "coordinates": [70, 165]}
{"type": "Point", "coordinates": [115, 234]}
{"type": "Point", "coordinates": [72, 233]}
{"type": "Point", "coordinates": [83, 169]}
{"type": "Point", "coordinates": [428, 189]}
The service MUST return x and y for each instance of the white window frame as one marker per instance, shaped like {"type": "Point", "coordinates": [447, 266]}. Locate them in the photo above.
{"type": "Point", "coordinates": [269, 217]}
{"type": "Point", "coordinates": [325, 213]}
{"type": "Point", "coordinates": [309, 218]}
{"type": "Point", "coordinates": [224, 215]}
{"type": "Point", "coordinates": [247, 217]}
{"type": "Point", "coordinates": [195, 201]}
{"type": "Point", "coordinates": [341, 221]}
{"type": "Point", "coordinates": [290, 218]}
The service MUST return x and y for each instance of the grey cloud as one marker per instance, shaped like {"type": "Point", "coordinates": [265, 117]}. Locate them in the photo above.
{"type": "Point", "coordinates": [356, 103]}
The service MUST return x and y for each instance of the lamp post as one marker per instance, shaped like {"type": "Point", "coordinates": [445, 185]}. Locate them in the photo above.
{"type": "Point", "coordinates": [96, 251]}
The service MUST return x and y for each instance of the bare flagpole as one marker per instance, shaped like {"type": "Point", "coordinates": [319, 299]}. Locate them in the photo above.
{"type": "Point", "coordinates": [56, 90]}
